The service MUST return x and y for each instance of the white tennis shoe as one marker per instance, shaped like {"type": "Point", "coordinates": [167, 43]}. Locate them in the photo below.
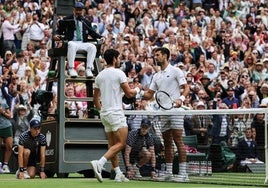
{"type": "Point", "coordinates": [97, 169]}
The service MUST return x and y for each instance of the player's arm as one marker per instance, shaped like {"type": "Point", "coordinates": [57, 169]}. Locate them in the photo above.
{"type": "Point", "coordinates": [96, 98]}
{"type": "Point", "coordinates": [128, 91]}
{"type": "Point", "coordinates": [42, 162]}
{"type": "Point", "coordinates": [186, 91]}
{"type": "Point", "coordinates": [148, 94]}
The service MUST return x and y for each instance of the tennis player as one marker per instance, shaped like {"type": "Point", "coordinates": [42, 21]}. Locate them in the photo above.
{"type": "Point", "coordinates": [107, 98]}
{"type": "Point", "coordinates": [171, 80]}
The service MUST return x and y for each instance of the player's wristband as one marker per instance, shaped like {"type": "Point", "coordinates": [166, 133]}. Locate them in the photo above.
{"type": "Point", "coordinates": [182, 98]}
{"type": "Point", "coordinates": [138, 90]}
{"type": "Point", "coordinates": [42, 169]}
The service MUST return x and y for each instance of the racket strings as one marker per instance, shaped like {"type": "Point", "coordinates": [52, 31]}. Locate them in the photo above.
{"type": "Point", "coordinates": [164, 100]}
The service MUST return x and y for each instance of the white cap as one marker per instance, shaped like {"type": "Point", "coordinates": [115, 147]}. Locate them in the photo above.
{"type": "Point", "coordinates": [200, 103]}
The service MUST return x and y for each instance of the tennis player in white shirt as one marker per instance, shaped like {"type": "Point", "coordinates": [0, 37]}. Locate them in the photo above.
{"type": "Point", "coordinates": [107, 98]}
{"type": "Point", "coordinates": [171, 80]}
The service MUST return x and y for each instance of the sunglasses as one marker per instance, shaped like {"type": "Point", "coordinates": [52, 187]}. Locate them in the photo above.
{"type": "Point", "coordinates": [244, 76]}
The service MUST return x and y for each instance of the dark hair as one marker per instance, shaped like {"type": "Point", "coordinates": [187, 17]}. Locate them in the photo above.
{"type": "Point", "coordinates": [109, 56]}
{"type": "Point", "coordinates": [163, 51]}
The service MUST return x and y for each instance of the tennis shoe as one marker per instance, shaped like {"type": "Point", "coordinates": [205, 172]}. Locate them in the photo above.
{"type": "Point", "coordinates": [180, 178]}
{"type": "Point", "coordinates": [137, 172]}
{"type": "Point", "coordinates": [73, 73]}
{"type": "Point", "coordinates": [164, 177]}
{"type": "Point", "coordinates": [5, 169]}
{"type": "Point", "coordinates": [120, 177]}
{"type": "Point", "coordinates": [97, 169]}
{"type": "Point", "coordinates": [25, 174]}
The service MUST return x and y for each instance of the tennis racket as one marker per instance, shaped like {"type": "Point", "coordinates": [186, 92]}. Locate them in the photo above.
{"type": "Point", "coordinates": [165, 102]}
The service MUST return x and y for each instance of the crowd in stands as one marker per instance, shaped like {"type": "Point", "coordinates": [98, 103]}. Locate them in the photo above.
{"type": "Point", "coordinates": [221, 46]}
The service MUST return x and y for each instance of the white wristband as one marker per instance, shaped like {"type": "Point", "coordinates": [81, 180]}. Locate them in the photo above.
{"type": "Point", "coordinates": [138, 90]}
{"type": "Point", "coordinates": [182, 98]}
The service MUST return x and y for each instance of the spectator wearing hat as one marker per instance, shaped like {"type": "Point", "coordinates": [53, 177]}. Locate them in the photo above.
{"type": "Point", "coordinates": [231, 101]}
{"type": "Point", "coordinates": [77, 37]}
{"type": "Point", "coordinates": [201, 124]}
{"type": "Point", "coordinates": [140, 150]}
{"type": "Point", "coordinates": [22, 116]}
{"type": "Point", "coordinates": [258, 73]}
{"type": "Point", "coordinates": [234, 62]}
{"type": "Point", "coordinates": [32, 149]}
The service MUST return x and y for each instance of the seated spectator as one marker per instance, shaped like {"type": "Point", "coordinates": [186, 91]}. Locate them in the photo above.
{"type": "Point", "coordinates": [220, 128]}
{"type": "Point", "coordinates": [140, 150]}
{"type": "Point", "coordinates": [247, 149]}
{"type": "Point", "coordinates": [72, 107]}
{"type": "Point", "coordinates": [201, 124]}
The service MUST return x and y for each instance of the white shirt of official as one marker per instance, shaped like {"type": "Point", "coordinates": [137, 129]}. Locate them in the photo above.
{"type": "Point", "coordinates": [169, 80]}
{"type": "Point", "coordinates": [108, 81]}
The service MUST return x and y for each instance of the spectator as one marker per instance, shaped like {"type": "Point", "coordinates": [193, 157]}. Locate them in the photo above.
{"type": "Point", "coordinates": [220, 129]}
{"type": "Point", "coordinates": [72, 106]}
{"type": "Point", "coordinates": [231, 101]}
{"type": "Point", "coordinates": [22, 116]}
{"type": "Point", "coordinates": [257, 126]}
{"type": "Point", "coordinates": [36, 32]}
{"type": "Point", "coordinates": [140, 150]}
{"type": "Point", "coordinates": [247, 149]}
{"type": "Point", "coordinates": [8, 31]}
{"type": "Point", "coordinates": [201, 125]}
{"type": "Point", "coordinates": [19, 66]}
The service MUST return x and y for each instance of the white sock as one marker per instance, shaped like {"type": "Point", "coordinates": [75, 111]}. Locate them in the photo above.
{"type": "Point", "coordinates": [182, 170]}
{"type": "Point", "coordinates": [169, 168]}
{"type": "Point", "coordinates": [102, 161]}
{"type": "Point", "coordinates": [117, 170]}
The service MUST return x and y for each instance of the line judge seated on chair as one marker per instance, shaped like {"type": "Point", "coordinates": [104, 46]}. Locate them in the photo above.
{"type": "Point", "coordinates": [77, 30]}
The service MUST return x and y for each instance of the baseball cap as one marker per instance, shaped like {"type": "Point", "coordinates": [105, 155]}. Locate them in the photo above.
{"type": "Point", "coordinates": [200, 103]}
{"type": "Point", "coordinates": [35, 122]}
{"type": "Point", "coordinates": [146, 122]}
{"type": "Point", "coordinates": [78, 5]}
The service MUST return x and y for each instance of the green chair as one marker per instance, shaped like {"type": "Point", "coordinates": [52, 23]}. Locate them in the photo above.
{"type": "Point", "coordinates": [191, 141]}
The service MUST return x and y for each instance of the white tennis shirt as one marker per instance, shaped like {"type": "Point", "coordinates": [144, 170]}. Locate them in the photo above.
{"type": "Point", "coordinates": [169, 80]}
{"type": "Point", "coordinates": [108, 81]}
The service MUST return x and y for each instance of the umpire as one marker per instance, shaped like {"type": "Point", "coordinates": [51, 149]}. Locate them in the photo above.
{"type": "Point", "coordinates": [31, 149]}
{"type": "Point", "coordinates": [140, 150]}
